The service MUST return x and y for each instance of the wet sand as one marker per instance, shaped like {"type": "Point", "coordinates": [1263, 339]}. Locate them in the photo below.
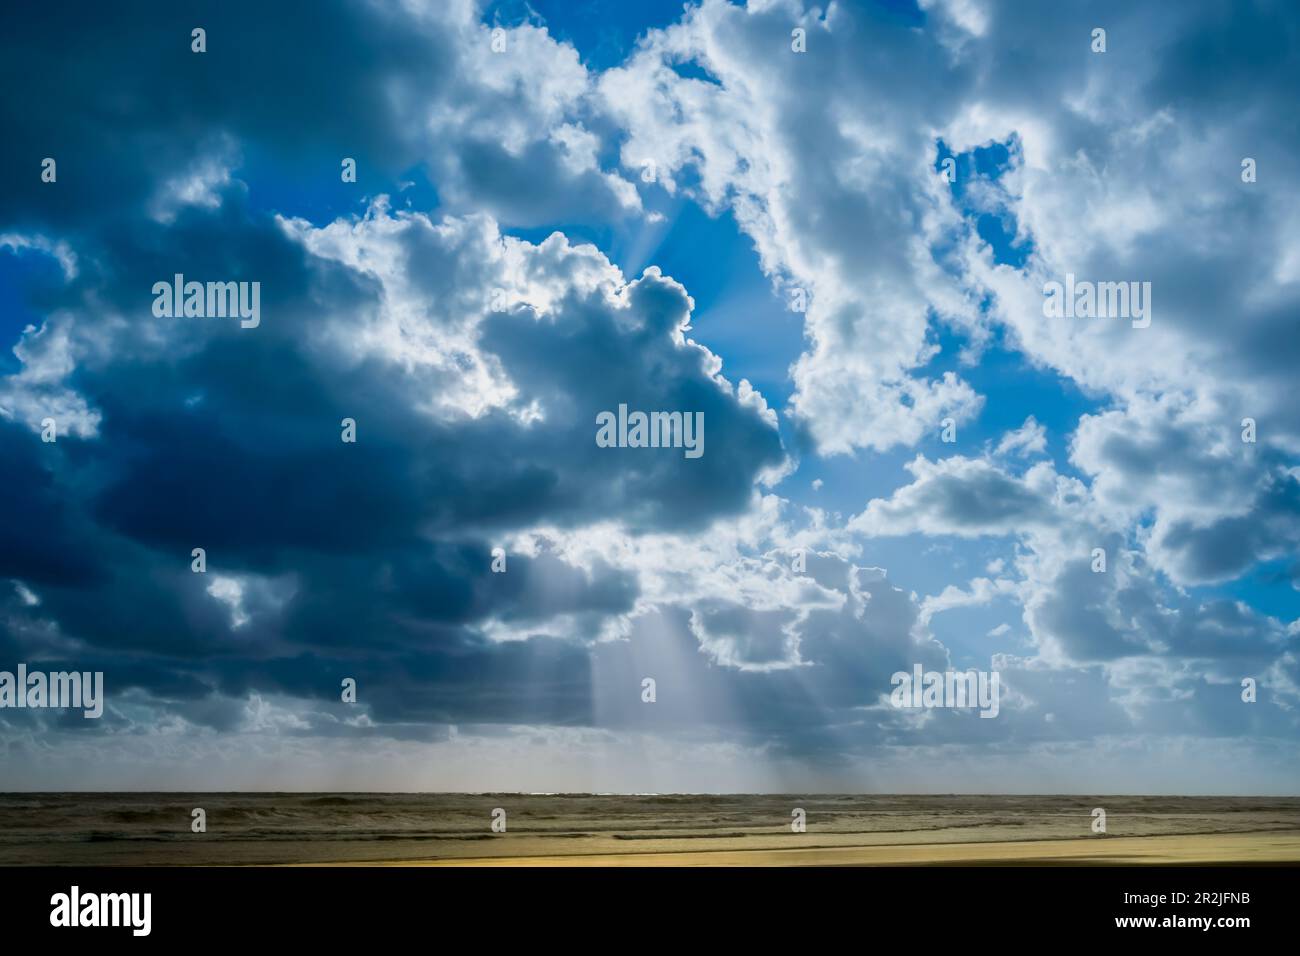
{"type": "Point", "coordinates": [132, 829]}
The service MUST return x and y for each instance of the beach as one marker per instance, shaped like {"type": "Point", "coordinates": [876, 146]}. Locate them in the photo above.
{"type": "Point", "coordinates": [1188, 850]}
{"type": "Point", "coordinates": [134, 829]}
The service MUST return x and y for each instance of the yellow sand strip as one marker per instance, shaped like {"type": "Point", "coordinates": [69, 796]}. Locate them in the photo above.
{"type": "Point", "coordinates": [1228, 848]}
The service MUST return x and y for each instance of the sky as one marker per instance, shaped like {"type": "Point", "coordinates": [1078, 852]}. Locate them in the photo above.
{"type": "Point", "coordinates": [829, 230]}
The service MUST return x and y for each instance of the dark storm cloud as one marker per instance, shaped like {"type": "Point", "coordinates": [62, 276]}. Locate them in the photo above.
{"type": "Point", "coordinates": [116, 96]}
{"type": "Point", "coordinates": [35, 536]}
{"type": "Point", "coordinates": [368, 560]}
{"type": "Point", "coordinates": [228, 439]}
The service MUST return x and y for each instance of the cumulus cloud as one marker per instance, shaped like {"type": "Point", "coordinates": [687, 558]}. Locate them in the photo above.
{"type": "Point", "coordinates": [463, 304]}
{"type": "Point", "coordinates": [831, 197]}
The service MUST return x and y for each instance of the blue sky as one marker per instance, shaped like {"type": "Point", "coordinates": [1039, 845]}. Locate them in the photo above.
{"type": "Point", "coordinates": [509, 166]}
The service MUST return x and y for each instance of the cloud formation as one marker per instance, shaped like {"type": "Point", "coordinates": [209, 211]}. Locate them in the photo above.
{"type": "Point", "coordinates": [463, 305]}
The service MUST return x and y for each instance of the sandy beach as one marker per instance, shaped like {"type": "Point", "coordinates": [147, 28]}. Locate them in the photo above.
{"type": "Point", "coordinates": [1276, 849]}
{"type": "Point", "coordinates": [131, 829]}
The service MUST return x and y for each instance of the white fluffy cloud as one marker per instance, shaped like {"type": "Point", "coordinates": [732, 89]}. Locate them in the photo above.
{"type": "Point", "coordinates": [828, 177]}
